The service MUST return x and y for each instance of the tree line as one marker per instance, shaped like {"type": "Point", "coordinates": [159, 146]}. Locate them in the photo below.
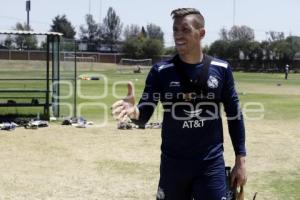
{"type": "Point", "coordinates": [237, 43]}
{"type": "Point", "coordinates": [137, 42]}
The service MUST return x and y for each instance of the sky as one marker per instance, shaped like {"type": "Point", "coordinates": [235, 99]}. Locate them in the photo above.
{"type": "Point", "coordinates": [260, 15]}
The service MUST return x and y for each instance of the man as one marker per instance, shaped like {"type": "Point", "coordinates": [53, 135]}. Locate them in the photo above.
{"type": "Point", "coordinates": [191, 87]}
{"type": "Point", "coordinates": [286, 71]}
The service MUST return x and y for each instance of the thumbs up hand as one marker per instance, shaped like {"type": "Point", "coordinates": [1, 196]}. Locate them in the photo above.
{"type": "Point", "coordinates": [125, 108]}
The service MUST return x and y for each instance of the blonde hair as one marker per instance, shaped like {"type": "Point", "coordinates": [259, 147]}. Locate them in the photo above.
{"type": "Point", "coordinates": [181, 12]}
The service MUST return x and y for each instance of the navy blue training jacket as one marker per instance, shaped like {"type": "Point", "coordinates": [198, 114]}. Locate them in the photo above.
{"type": "Point", "coordinates": [192, 127]}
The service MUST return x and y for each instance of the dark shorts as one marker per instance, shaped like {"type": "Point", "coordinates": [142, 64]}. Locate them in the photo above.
{"type": "Point", "coordinates": [186, 179]}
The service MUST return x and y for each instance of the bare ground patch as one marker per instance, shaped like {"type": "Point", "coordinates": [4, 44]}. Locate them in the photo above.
{"type": "Point", "coordinates": [105, 163]}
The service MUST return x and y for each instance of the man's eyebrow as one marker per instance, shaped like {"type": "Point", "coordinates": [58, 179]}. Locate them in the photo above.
{"type": "Point", "coordinates": [181, 25]}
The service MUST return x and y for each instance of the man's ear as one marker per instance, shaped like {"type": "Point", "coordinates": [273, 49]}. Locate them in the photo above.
{"type": "Point", "coordinates": [202, 33]}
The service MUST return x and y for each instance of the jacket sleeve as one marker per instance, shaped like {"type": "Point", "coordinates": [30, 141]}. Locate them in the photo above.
{"type": "Point", "coordinates": [150, 97]}
{"type": "Point", "coordinates": [234, 114]}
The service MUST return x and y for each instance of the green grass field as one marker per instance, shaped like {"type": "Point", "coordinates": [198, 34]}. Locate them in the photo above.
{"type": "Point", "coordinates": [127, 164]}
{"type": "Point", "coordinates": [279, 97]}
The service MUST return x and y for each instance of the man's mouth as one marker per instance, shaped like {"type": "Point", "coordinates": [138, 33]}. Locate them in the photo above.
{"type": "Point", "coordinates": [180, 44]}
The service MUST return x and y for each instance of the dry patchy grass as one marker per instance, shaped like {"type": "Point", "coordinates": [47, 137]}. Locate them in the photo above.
{"type": "Point", "coordinates": [62, 162]}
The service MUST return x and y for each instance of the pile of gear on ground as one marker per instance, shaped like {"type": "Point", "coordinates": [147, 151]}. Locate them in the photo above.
{"type": "Point", "coordinates": [129, 125]}
{"type": "Point", "coordinates": [35, 123]}
{"type": "Point", "coordinates": [26, 123]}
{"type": "Point", "coordinates": [78, 122]}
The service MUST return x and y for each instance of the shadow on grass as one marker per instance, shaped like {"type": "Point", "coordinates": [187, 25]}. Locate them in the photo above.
{"type": "Point", "coordinates": [17, 117]}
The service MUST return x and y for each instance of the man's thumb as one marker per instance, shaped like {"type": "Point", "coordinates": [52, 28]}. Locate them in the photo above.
{"type": "Point", "coordinates": [130, 93]}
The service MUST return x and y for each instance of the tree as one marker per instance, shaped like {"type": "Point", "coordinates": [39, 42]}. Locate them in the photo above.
{"type": "Point", "coordinates": [219, 48]}
{"type": "Point", "coordinates": [9, 42]}
{"type": "Point", "coordinates": [294, 42]}
{"type": "Point", "coordinates": [205, 49]}
{"type": "Point", "coordinates": [152, 48]}
{"type": "Point", "coordinates": [170, 51]}
{"type": "Point", "coordinates": [90, 32]}
{"type": "Point", "coordinates": [143, 33]}
{"type": "Point", "coordinates": [282, 48]}
{"type": "Point", "coordinates": [224, 34]}
{"type": "Point", "coordinates": [132, 30]}
{"type": "Point", "coordinates": [133, 47]}
{"type": "Point", "coordinates": [139, 47]}
{"type": "Point", "coordinates": [112, 28]}
{"type": "Point", "coordinates": [231, 43]}
{"type": "Point", "coordinates": [141, 43]}
{"type": "Point", "coordinates": [286, 49]}
{"type": "Point", "coordinates": [244, 33]}
{"type": "Point", "coordinates": [24, 41]}
{"type": "Point", "coordinates": [155, 32]}
{"type": "Point", "coordinates": [266, 48]}
{"type": "Point", "coordinates": [255, 50]}
{"type": "Point", "coordinates": [275, 36]}
{"type": "Point", "coordinates": [63, 25]}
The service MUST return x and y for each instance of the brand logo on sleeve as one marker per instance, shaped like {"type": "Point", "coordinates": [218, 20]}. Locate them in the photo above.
{"type": "Point", "coordinates": [174, 84]}
{"type": "Point", "coordinates": [212, 82]}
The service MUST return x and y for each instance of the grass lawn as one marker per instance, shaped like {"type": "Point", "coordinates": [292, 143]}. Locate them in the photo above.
{"type": "Point", "coordinates": [106, 163]}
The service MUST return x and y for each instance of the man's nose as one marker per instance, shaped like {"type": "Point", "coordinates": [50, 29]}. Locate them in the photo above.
{"type": "Point", "coordinates": [177, 34]}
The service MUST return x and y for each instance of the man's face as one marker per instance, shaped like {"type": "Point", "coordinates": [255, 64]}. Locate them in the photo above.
{"type": "Point", "coordinates": [187, 38]}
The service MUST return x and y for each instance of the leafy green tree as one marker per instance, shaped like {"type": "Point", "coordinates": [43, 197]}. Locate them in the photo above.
{"type": "Point", "coordinates": [219, 48]}
{"type": "Point", "coordinates": [152, 48]}
{"type": "Point", "coordinates": [132, 30]}
{"type": "Point", "coordinates": [275, 36]}
{"type": "Point", "coordinates": [141, 43]}
{"type": "Point", "coordinates": [243, 33]}
{"type": "Point", "coordinates": [170, 50]}
{"type": "Point", "coordinates": [143, 33]}
{"type": "Point", "coordinates": [90, 32]}
{"type": "Point", "coordinates": [8, 42]}
{"type": "Point", "coordinates": [234, 41]}
{"type": "Point", "coordinates": [133, 47]}
{"type": "Point", "coordinates": [205, 49]}
{"type": "Point", "coordinates": [63, 25]}
{"type": "Point", "coordinates": [294, 42]}
{"type": "Point", "coordinates": [255, 50]}
{"type": "Point", "coordinates": [286, 49]}
{"type": "Point", "coordinates": [139, 47]}
{"type": "Point", "coordinates": [112, 28]}
{"type": "Point", "coordinates": [24, 41]}
{"type": "Point", "coordinates": [223, 34]}
{"type": "Point", "coordinates": [155, 32]}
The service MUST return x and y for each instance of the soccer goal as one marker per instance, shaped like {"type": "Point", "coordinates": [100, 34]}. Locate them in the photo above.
{"type": "Point", "coordinates": [134, 65]}
{"type": "Point", "coordinates": [84, 63]}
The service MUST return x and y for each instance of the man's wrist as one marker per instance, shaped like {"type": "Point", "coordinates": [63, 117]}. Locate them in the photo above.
{"type": "Point", "coordinates": [240, 159]}
{"type": "Point", "coordinates": [135, 114]}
